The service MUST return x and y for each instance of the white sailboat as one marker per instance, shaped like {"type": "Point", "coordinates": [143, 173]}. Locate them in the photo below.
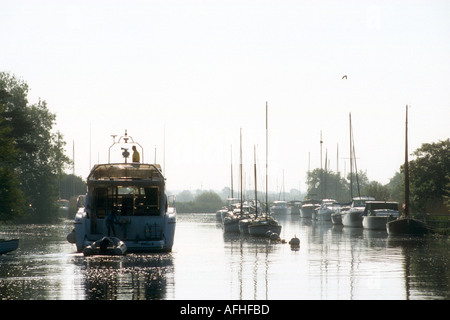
{"type": "Point", "coordinates": [353, 216]}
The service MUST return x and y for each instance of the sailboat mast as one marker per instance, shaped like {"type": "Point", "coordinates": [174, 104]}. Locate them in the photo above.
{"type": "Point", "coordinates": [267, 148]}
{"type": "Point", "coordinates": [231, 162]}
{"type": "Point", "coordinates": [351, 161]}
{"type": "Point", "coordinates": [256, 184]}
{"type": "Point", "coordinates": [242, 187]}
{"type": "Point", "coordinates": [406, 166]}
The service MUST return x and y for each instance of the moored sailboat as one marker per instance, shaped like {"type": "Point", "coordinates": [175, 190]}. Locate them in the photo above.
{"type": "Point", "coordinates": [265, 223]}
{"type": "Point", "coordinates": [405, 225]}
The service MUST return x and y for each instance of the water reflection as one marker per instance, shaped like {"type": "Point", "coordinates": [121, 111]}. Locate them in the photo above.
{"type": "Point", "coordinates": [332, 262]}
{"type": "Point", "coordinates": [134, 277]}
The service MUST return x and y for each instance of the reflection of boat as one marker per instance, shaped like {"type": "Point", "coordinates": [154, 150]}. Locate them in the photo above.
{"type": "Point", "coordinates": [354, 216]}
{"type": "Point", "coordinates": [377, 213]}
{"type": "Point", "coordinates": [106, 246]}
{"type": "Point", "coordinates": [406, 225]}
{"type": "Point", "coordinates": [128, 201]}
{"type": "Point", "coordinates": [279, 207]}
{"type": "Point", "coordinates": [308, 208]}
{"type": "Point", "coordinates": [8, 245]}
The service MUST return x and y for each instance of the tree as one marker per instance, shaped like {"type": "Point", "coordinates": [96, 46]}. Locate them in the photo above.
{"type": "Point", "coordinates": [430, 177]}
{"type": "Point", "coordinates": [327, 184]}
{"type": "Point", "coordinates": [11, 197]}
{"type": "Point", "coordinates": [40, 155]}
{"type": "Point", "coordinates": [376, 190]}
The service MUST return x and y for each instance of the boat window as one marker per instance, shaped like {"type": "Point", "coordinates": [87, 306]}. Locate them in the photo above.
{"type": "Point", "coordinates": [127, 201]}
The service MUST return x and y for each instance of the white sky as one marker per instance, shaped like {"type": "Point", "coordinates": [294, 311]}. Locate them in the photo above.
{"type": "Point", "coordinates": [199, 71]}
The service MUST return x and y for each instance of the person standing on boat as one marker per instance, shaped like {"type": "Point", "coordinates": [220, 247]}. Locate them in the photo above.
{"type": "Point", "coordinates": [136, 156]}
{"type": "Point", "coordinates": [111, 219]}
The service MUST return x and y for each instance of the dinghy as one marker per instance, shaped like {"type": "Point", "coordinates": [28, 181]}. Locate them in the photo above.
{"type": "Point", "coordinates": [106, 246]}
{"type": "Point", "coordinates": [8, 245]}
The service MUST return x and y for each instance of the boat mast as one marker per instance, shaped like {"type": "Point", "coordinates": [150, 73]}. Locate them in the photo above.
{"type": "Point", "coordinates": [351, 161]}
{"type": "Point", "coordinates": [256, 184]}
{"type": "Point", "coordinates": [232, 192]}
{"type": "Point", "coordinates": [406, 166]}
{"type": "Point", "coordinates": [267, 146]}
{"type": "Point", "coordinates": [242, 187]}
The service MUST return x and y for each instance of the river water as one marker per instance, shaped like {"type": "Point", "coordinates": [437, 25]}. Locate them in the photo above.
{"type": "Point", "coordinates": [332, 263]}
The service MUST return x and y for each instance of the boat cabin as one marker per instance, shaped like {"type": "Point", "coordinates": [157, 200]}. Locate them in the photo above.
{"type": "Point", "coordinates": [125, 190]}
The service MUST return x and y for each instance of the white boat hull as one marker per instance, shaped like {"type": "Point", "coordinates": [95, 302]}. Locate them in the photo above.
{"type": "Point", "coordinates": [352, 218]}
{"type": "Point", "coordinates": [140, 234]}
{"type": "Point", "coordinates": [376, 223]}
{"type": "Point", "coordinates": [324, 215]}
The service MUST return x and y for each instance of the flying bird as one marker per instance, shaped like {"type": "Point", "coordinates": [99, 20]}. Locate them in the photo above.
{"type": "Point", "coordinates": [344, 77]}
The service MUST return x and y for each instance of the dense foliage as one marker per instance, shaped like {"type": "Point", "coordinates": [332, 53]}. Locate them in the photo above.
{"type": "Point", "coordinates": [32, 156]}
{"type": "Point", "coordinates": [430, 177]}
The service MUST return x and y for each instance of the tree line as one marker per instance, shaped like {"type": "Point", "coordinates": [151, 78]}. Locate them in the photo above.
{"type": "Point", "coordinates": [32, 158]}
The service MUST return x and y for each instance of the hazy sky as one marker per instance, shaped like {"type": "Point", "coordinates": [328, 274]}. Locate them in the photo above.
{"type": "Point", "coordinates": [184, 76]}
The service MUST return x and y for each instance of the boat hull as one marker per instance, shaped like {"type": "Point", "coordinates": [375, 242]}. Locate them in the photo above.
{"type": "Point", "coordinates": [260, 228]}
{"type": "Point", "coordinates": [307, 211]}
{"type": "Point", "coordinates": [406, 226]}
{"type": "Point", "coordinates": [280, 211]}
{"type": "Point", "coordinates": [140, 234]}
{"type": "Point", "coordinates": [336, 218]}
{"type": "Point", "coordinates": [376, 223]}
{"type": "Point", "coordinates": [243, 225]}
{"type": "Point", "coordinates": [8, 245]}
{"type": "Point", "coordinates": [231, 225]}
{"type": "Point", "coordinates": [324, 215]}
{"type": "Point", "coordinates": [352, 218]}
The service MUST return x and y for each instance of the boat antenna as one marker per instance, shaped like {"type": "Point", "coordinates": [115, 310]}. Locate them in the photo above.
{"type": "Point", "coordinates": [125, 139]}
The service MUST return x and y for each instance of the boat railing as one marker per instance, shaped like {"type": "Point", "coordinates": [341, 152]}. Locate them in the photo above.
{"type": "Point", "coordinates": [134, 171]}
